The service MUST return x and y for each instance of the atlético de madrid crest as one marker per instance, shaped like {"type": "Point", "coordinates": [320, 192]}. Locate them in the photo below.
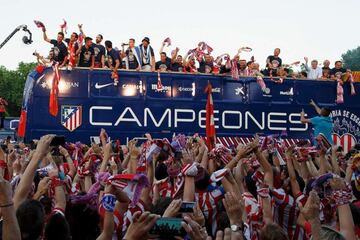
{"type": "Point", "coordinates": [71, 117]}
{"type": "Point", "coordinates": [346, 132]}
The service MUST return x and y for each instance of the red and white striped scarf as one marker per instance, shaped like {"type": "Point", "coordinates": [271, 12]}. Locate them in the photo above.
{"type": "Point", "coordinates": [339, 90]}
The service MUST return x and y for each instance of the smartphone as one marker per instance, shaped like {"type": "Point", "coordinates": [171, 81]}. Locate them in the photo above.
{"type": "Point", "coordinates": [168, 227]}
{"type": "Point", "coordinates": [187, 207]}
{"type": "Point", "coordinates": [95, 140]}
{"type": "Point", "coordinates": [58, 141]}
{"type": "Point", "coordinates": [140, 141]}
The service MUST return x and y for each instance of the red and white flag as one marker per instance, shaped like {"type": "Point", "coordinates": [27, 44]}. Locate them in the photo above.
{"type": "Point", "coordinates": [210, 125]}
{"type": "Point", "coordinates": [64, 26]}
{"type": "Point", "coordinates": [167, 41]}
{"type": "Point", "coordinates": [53, 101]}
{"type": "Point", "coordinates": [40, 25]}
{"type": "Point", "coordinates": [131, 184]}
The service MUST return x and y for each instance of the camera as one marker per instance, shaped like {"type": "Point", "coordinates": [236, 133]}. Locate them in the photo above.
{"type": "Point", "coordinates": [4, 148]}
{"type": "Point", "coordinates": [58, 141]}
{"type": "Point", "coordinates": [115, 146]}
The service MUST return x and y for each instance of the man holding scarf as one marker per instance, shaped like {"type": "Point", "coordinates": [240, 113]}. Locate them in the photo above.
{"type": "Point", "coordinates": [147, 55]}
{"type": "Point", "coordinates": [132, 56]}
{"type": "Point", "coordinates": [113, 61]}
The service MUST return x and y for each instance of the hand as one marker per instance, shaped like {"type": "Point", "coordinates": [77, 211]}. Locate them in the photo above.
{"type": "Point", "coordinates": [302, 113]}
{"type": "Point", "coordinates": [290, 151]}
{"type": "Point", "coordinates": [64, 152]}
{"type": "Point", "coordinates": [80, 26]}
{"type": "Point", "coordinates": [193, 229]}
{"type": "Point", "coordinates": [198, 216]}
{"type": "Point", "coordinates": [228, 235]}
{"type": "Point", "coordinates": [306, 59]}
{"type": "Point", "coordinates": [113, 166]}
{"type": "Point", "coordinates": [12, 157]}
{"type": "Point", "coordinates": [148, 136]}
{"type": "Point", "coordinates": [43, 146]}
{"type": "Point", "coordinates": [5, 192]}
{"type": "Point", "coordinates": [243, 151]}
{"type": "Point", "coordinates": [43, 185]}
{"type": "Point", "coordinates": [140, 226]}
{"type": "Point", "coordinates": [96, 149]}
{"type": "Point", "coordinates": [311, 209]}
{"type": "Point", "coordinates": [337, 183]}
{"type": "Point", "coordinates": [312, 103]}
{"type": "Point", "coordinates": [108, 150]}
{"type": "Point", "coordinates": [134, 151]}
{"type": "Point", "coordinates": [234, 207]}
{"type": "Point", "coordinates": [173, 209]}
{"type": "Point", "coordinates": [54, 172]}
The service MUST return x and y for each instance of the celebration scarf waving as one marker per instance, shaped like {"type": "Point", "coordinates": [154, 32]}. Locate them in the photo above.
{"type": "Point", "coordinates": [167, 41]}
{"type": "Point", "coordinates": [40, 25]}
{"type": "Point", "coordinates": [64, 26]}
{"type": "Point", "coordinates": [339, 90]}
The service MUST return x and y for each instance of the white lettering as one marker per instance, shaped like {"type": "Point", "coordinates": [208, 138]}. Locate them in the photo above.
{"type": "Point", "coordinates": [177, 119]}
{"type": "Point", "coordinates": [202, 118]}
{"type": "Point", "coordinates": [147, 112]}
{"type": "Point", "coordinates": [123, 119]}
{"type": "Point", "coordinates": [231, 113]}
{"type": "Point", "coordinates": [92, 122]}
{"type": "Point", "coordinates": [270, 121]}
{"type": "Point", "coordinates": [249, 115]}
{"type": "Point", "coordinates": [297, 121]}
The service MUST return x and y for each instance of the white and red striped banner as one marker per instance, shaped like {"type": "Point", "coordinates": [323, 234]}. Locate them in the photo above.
{"type": "Point", "coordinates": [347, 141]}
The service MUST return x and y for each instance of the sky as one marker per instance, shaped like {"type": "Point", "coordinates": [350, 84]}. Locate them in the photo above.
{"type": "Point", "coordinates": [318, 29]}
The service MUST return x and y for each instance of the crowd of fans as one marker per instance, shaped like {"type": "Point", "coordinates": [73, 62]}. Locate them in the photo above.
{"type": "Point", "coordinates": [50, 189]}
{"type": "Point", "coordinates": [73, 52]}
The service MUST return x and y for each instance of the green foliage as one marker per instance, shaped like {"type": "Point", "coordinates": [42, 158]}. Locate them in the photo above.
{"type": "Point", "coordinates": [351, 59]}
{"type": "Point", "coordinates": [12, 86]}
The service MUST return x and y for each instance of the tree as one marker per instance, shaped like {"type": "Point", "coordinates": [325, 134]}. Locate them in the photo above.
{"type": "Point", "coordinates": [351, 59]}
{"type": "Point", "coordinates": [12, 86]}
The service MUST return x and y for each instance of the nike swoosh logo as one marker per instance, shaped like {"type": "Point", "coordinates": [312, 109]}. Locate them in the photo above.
{"type": "Point", "coordinates": [98, 86]}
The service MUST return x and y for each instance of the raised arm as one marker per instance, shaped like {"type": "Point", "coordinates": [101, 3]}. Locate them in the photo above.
{"type": "Point", "coordinates": [108, 202]}
{"type": "Point", "coordinates": [107, 155]}
{"type": "Point", "coordinates": [46, 37]}
{"type": "Point", "coordinates": [346, 222]}
{"type": "Point", "coordinates": [290, 167]}
{"type": "Point", "coordinates": [72, 169]}
{"type": "Point", "coordinates": [57, 184]}
{"type": "Point", "coordinates": [10, 226]}
{"type": "Point", "coordinates": [303, 119]}
{"type": "Point", "coordinates": [81, 30]}
{"type": "Point", "coordinates": [174, 55]}
{"type": "Point", "coordinates": [334, 163]}
{"type": "Point", "coordinates": [317, 109]}
{"type": "Point", "coordinates": [307, 69]}
{"type": "Point", "coordinates": [25, 183]}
